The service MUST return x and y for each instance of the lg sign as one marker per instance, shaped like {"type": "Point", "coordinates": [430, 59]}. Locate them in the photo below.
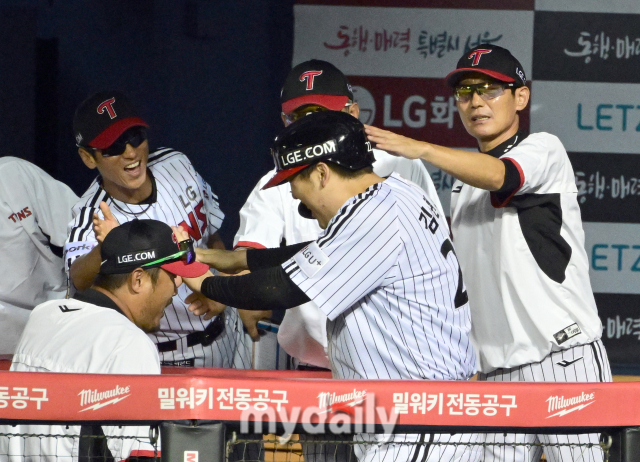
{"type": "Point", "coordinates": [413, 111]}
{"type": "Point", "coordinates": [415, 107]}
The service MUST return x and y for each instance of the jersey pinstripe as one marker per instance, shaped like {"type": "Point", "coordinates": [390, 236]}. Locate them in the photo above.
{"type": "Point", "coordinates": [580, 363]}
{"type": "Point", "coordinates": [270, 217]}
{"type": "Point", "coordinates": [182, 198]}
{"type": "Point", "coordinates": [390, 285]}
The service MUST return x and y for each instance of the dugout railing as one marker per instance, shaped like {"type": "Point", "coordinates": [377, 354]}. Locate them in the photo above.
{"type": "Point", "coordinates": [225, 406]}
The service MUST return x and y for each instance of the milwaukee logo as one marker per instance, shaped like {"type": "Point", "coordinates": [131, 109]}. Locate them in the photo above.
{"type": "Point", "coordinates": [567, 405]}
{"type": "Point", "coordinates": [330, 400]}
{"type": "Point", "coordinates": [98, 397]}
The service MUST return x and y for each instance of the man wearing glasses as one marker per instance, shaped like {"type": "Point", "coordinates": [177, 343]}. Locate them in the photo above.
{"type": "Point", "coordinates": [519, 238]}
{"type": "Point", "coordinates": [164, 186]}
{"type": "Point", "coordinates": [272, 217]}
{"type": "Point", "coordinates": [102, 331]}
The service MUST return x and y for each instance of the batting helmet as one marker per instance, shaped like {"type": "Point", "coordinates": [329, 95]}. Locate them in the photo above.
{"type": "Point", "coordinates": [328, 136]}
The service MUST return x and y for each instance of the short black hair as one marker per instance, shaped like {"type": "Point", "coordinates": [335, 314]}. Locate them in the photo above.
{"type": "Point", "coordinates": [112, 282]}
{"type": "Point", "coordinates": [339, 170]}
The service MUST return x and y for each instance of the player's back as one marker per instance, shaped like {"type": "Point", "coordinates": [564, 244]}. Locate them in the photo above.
{"type": "Point", "coordinates": [412, 320]}
{"type": "Point", "coordinates": [73, 336]}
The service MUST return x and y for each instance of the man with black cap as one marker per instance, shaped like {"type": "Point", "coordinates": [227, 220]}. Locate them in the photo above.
{"type": "Point", "coordinates": [383, 271]}
{"type": "Point", "coordinates": [163, 185]}
{"type": "Point", "coordinates": [103, 331]}
{"type": "Point", "coordinates": [271, 217]}
{"type": "Point", "coordinates": [518, 232]}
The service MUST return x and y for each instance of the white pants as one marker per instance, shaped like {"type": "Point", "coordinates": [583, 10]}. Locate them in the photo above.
{"type": "Point", "coordinates": [582, 363]}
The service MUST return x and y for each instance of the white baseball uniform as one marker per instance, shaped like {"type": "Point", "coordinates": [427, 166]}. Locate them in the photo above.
{"type": "Point", "coordinates": [180, 197]}
{"type": "Point", "coordinates": [385, 274]}
{"type": "Point", "coordinates": [86, 334]}
{"type": "Point", "coordinates": [270, 218]}
{"type": "Point", "coordinates": [35, 210]}
{"type": "Point", "coordinates": [527, 274]}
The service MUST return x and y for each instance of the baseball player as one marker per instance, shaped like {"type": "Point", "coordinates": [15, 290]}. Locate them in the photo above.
{"type": "Point", "coordinates": [383, 271]}
{"type": "Point", "coordinates": [271, 217]}
{"type": "Point", "coordinates": [163, 185]}
{"type": "Point", "coordinates": [35, 210]}
{"type": "Point", "coordinates": [519, 238]}
{"type": "Point", "coordinates": [102, 331]}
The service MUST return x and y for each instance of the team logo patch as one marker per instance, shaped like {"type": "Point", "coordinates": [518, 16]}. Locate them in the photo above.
{"type": "Point", "coordinates": [309, 76]}
{"type": "Point", "coordinates": [476, 55]}
{"type": "Point", "coordinates": [311, 259]}
{"type": "Point", "coordinates": [567, 333]}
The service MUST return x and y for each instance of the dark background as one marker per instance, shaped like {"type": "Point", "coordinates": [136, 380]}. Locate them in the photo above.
{"type": "Point", "coordinates": [205, 75]}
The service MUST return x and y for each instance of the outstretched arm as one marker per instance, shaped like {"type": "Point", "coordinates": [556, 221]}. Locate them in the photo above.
{"type": "Point", "coordinates": [473, 168]}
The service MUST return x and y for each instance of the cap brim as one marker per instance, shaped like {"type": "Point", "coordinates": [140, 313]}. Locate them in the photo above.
{"type": "Point", "coordinates": [108, 136]}
{"type": "Point", "coordinates": [282, 175]}
{"type": "Point", "coordinates": [181, 268]}
{"type": "Point", "coordinates": [333, 102]}
{"type": "Point", "coordinates": [454, 77]}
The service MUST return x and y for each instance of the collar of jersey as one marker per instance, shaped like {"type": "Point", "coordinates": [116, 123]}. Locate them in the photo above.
{"type": "Point", "coordinates": [97, 298]}
{"type": "Point", "coordinates": [508, 145]}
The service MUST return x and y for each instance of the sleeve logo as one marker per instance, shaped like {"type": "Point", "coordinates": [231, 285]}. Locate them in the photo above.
{"type": "Point", "coordinates": [311, 259]}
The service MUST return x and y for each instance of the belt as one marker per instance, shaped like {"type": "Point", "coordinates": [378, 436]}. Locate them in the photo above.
{"type": "Point", "coordinates": [204, 337]}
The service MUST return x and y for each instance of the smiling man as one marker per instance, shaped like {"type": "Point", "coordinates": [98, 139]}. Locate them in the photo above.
{"type": "Point", "coordinates": [518, 232]}
{"type": "Point", "coordinates": [164, 186]}
{"type": "Point", "coordinates": [102, 331]}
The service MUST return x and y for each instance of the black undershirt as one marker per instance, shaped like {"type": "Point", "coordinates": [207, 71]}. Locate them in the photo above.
{"type": "Point", "coordinates": [267, 287]}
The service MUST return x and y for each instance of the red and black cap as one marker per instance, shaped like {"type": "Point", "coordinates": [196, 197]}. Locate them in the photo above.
{"type": "Point", "coordinates": [329, 136]}
{"type": "Point", "coordinates": [315, 82]}
{"type": "Point", "coordinates": [492, 60]}
{"type": "Point", "coordinates": [102, 118]}
{"type": "Point", "coordinates": [146, 244]}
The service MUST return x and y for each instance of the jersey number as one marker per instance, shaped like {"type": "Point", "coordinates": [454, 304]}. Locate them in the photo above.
{"type": "Point", "coordinates": [461, 297]}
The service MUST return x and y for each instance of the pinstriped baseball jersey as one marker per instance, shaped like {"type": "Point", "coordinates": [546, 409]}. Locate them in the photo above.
{"type": "Point", "coordinates": [183, 198]}
{"type": "Point", "coordinates": [385, 273]}
{"type": "Point", "coordinates": [270, 216]}
{"type": "Point", "coordinates": [523, 258]}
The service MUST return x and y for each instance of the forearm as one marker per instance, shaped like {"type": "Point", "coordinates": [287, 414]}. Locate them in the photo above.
{"type": "Point", "coordinates": [85, 268]}
{"type": "Point", "coordinates": [233, 262]}
{"type": "Point", "coordinates": [473, 168]}
{"type": "Point", "coordinates": [269, 289]}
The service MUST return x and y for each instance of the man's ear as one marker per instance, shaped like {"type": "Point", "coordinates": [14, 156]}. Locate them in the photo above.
{"type": "Point", "coordinates": [87, 158]}
{"type": "Point", "coordinates": [137, 280]}
{"type": "Point", "coordinates": [324, 173]}
{"type": "Point", "coordinates": [354, 110]}
{"type": "Point", "coordinates": [522, 97]}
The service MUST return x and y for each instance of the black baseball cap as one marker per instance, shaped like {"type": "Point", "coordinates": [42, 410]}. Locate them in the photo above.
{"type": "Point", "coordinates": [329, 136]}
{"type": "Point", "coordinates": [491, 60]}
{"type": "Point", "coordinates": [102, 118]}
{"type": "Point", "coordinates": [315, 82]}
{"type": "Point", "coordinates": [145, 244]}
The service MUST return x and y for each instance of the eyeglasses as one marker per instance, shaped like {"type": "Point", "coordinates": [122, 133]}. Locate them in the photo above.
{"type": "Point", "coordinates": [187, 253]}
{"type": "Point", "coordinates": [134, 136]}
{"type": "Point", "coordinates": [486, 91]}
{"type": "Point", "coordinates": [304, 110]}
